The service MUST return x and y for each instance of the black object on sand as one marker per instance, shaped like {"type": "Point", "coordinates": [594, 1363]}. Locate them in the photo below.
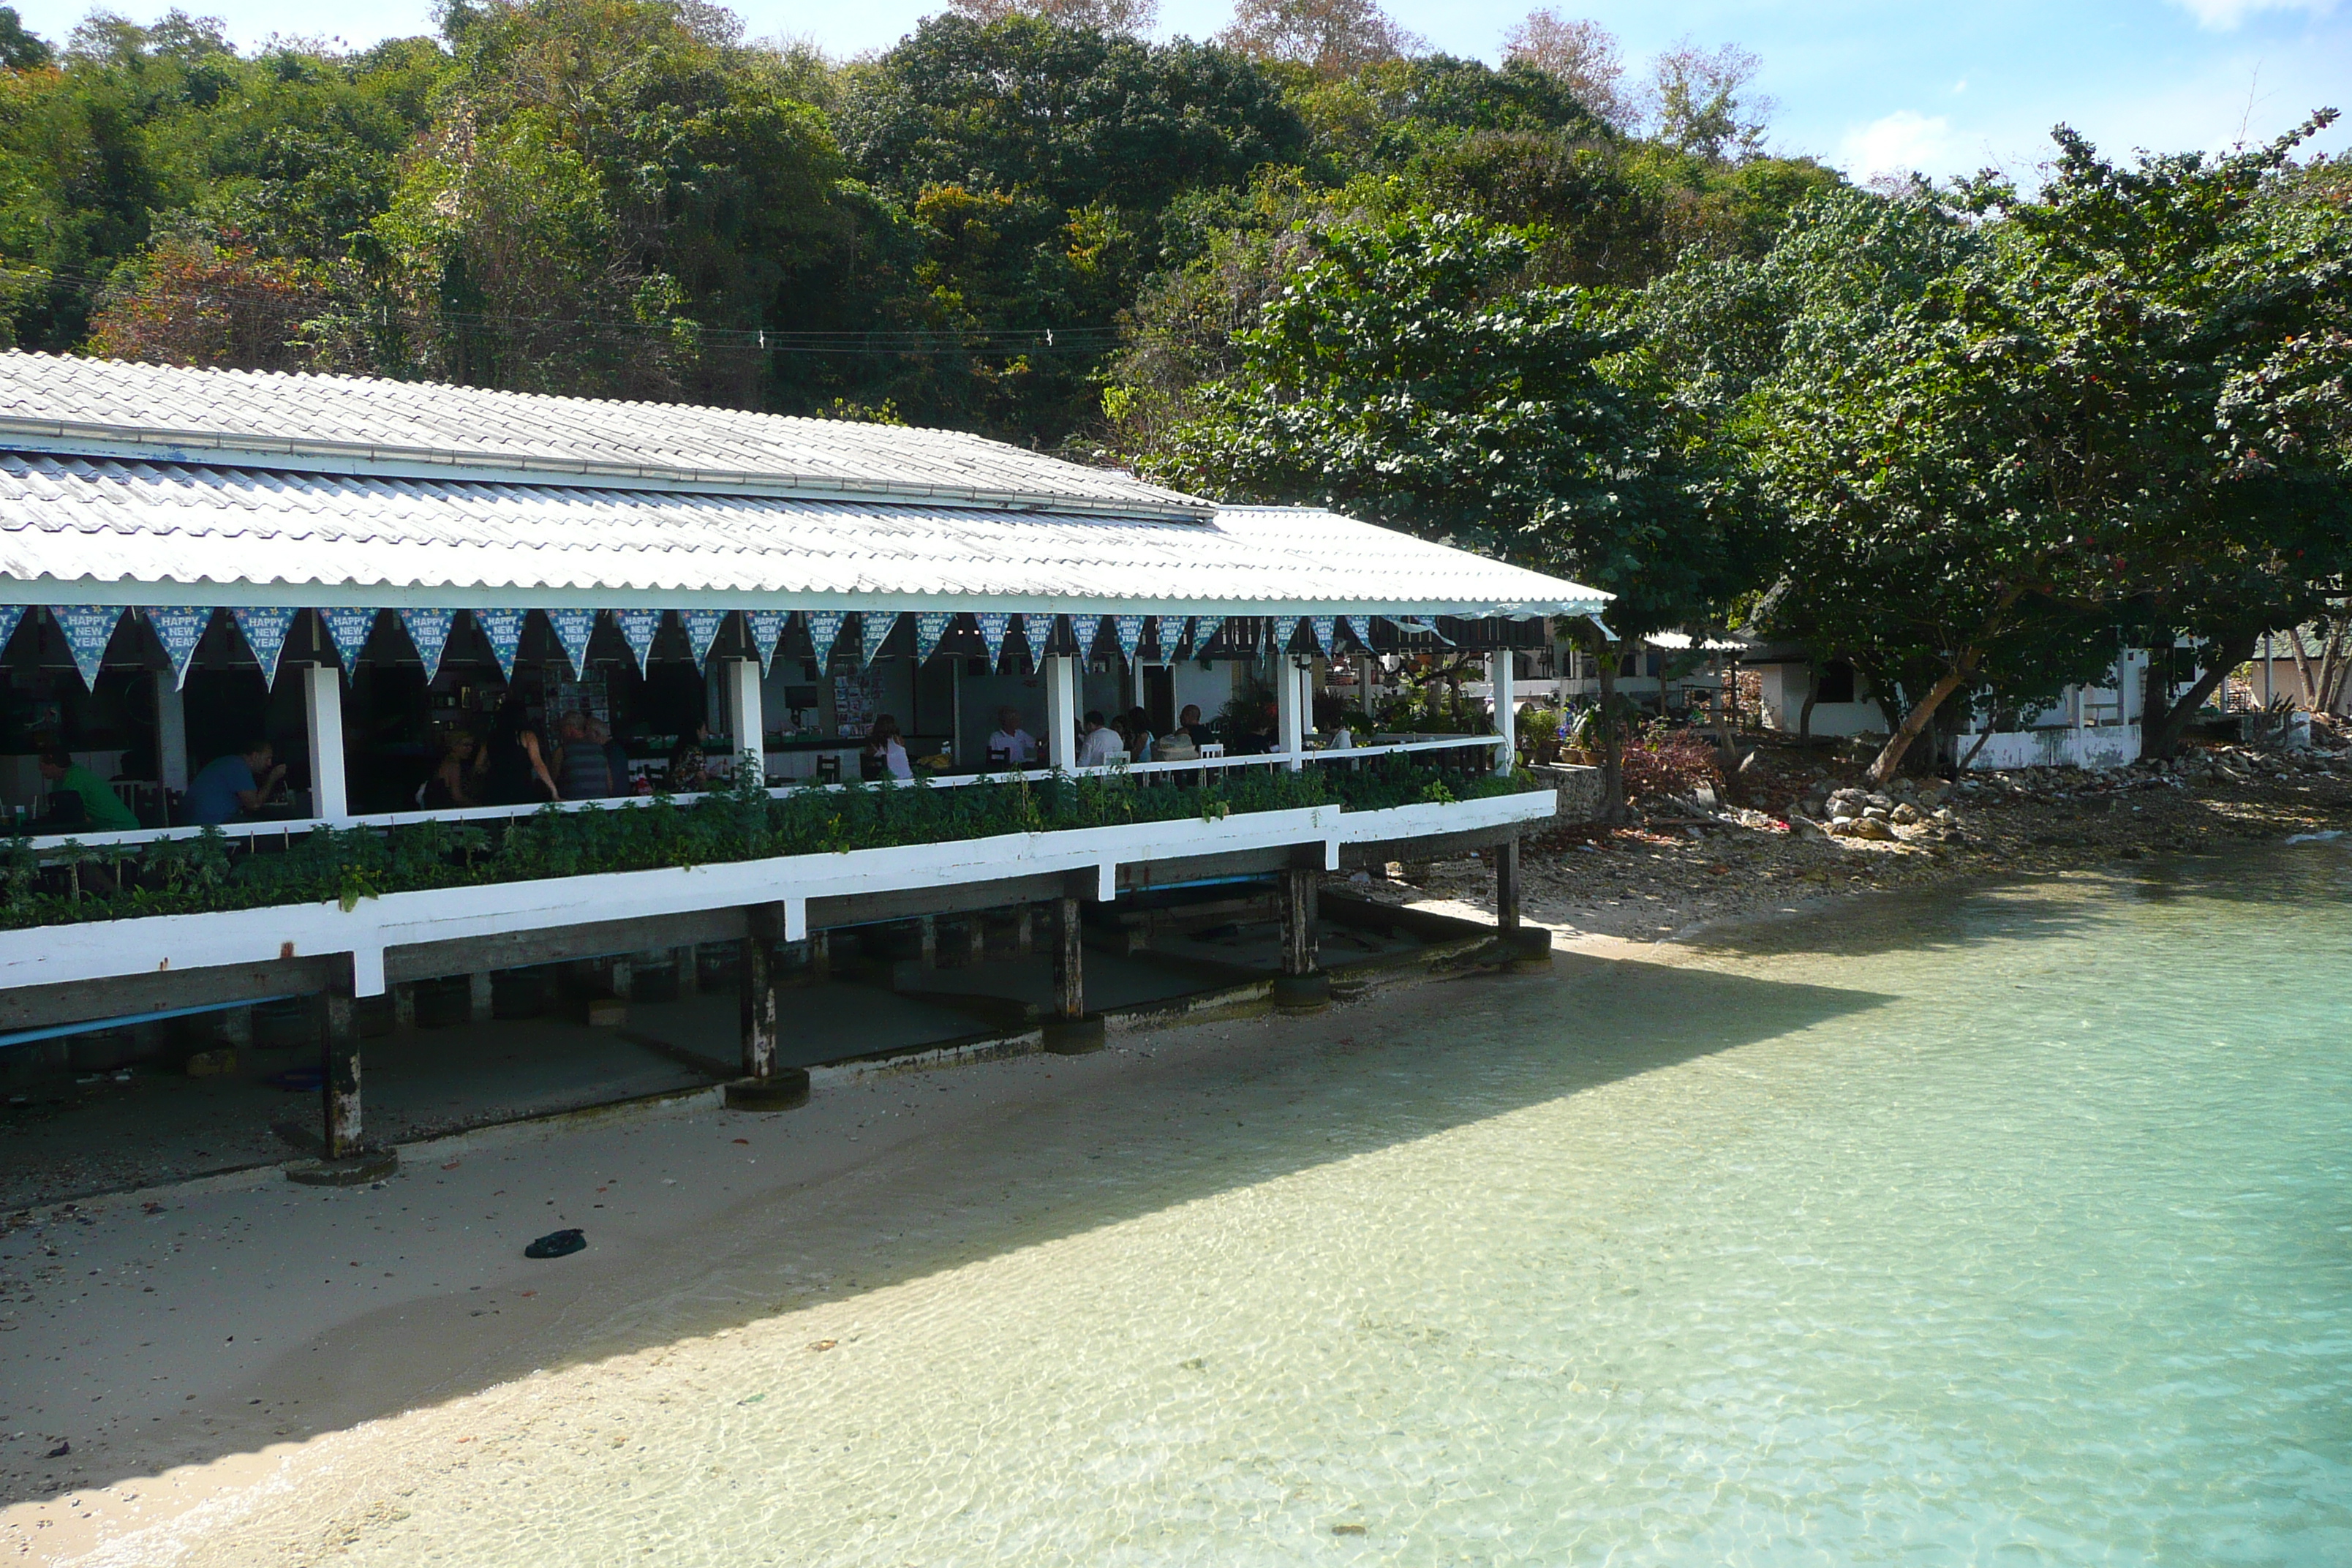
{"type": "Point", "coordinates": [557, 1244]}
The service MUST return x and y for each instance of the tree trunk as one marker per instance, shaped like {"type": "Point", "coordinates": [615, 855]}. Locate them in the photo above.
{"type": "Point", "coordinates": [1889, 760]}
{"type": "Point", "coordinates": [1812, 695]}
{"type": "Point", "coordinates": [2159, 732]}
{"type": "Point", "coordinates": [1612, 743]}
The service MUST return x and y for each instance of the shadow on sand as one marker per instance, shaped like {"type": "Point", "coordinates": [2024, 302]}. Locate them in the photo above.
{"type": "Point", "coordinates": [1176, 1119]}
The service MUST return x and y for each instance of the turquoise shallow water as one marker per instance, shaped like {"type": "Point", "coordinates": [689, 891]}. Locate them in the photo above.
{"type": "Point", "coordinates": [2003, 1229]}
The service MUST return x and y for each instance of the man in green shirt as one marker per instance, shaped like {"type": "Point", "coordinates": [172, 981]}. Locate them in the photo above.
{"type": "Point", "coordinates": [100, 812]}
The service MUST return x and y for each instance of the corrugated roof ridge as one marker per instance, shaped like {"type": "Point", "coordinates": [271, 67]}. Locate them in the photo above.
{"type": "Point", "coordinates": [930, 435]}
{"type": "Point", "coordinates": [805, 421]}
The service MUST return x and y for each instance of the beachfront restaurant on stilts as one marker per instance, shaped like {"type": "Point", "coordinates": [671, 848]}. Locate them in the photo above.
{"type": "Point", "coordinates": [336, 710]}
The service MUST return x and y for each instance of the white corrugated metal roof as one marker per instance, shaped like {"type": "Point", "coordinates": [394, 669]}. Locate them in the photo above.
{"type": "Point", "coordinates": [336, 423]}
{"type": "Point", "coordinates": [105, 531]}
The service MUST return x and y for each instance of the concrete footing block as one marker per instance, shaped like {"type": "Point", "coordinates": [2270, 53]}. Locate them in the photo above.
{"type": "Point", "coordinates": [1302, 992]}
{"type": "Point", "coordinates": [1075, 1037]}
{"type": "Point", "coordinates": [355, 1171]}
{"type": "Point", "coordinates": [786, 1089]}
{"type": "Point", "coordinates": [1528, 950]}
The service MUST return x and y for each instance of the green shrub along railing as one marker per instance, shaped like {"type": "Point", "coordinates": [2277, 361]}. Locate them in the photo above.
{"type": "Point", "coordinates": [58, 883]}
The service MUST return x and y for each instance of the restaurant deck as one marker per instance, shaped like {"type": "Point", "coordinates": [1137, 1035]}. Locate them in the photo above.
{"type": "Point", "coordinates": [361, 573]}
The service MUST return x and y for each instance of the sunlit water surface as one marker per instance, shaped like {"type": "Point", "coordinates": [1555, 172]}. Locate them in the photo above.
{"type": "Point", "coordinates": [2005, 1229]}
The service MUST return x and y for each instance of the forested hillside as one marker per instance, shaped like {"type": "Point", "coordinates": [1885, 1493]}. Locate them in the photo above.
{"type": "Point", "coordinates": [627, 197]}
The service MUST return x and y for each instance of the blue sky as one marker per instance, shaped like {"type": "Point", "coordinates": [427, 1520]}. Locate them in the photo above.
{"type": "Point", "coordinates": [1872, 87]}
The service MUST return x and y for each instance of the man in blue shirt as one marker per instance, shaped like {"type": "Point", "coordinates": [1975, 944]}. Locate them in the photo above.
{"type": "Point", "coordinates": [228, 785]}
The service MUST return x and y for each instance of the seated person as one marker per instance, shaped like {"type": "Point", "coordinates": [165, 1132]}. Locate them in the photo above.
{"type": "Point", "coordinates": [1138, 731]}
{"type": "Point", "coordinates": [885, 753]}
{"type": "Point", "coordinates": [587, 773]}
{"type": "Point", "coordinates": [79, 798]}
{"type": "Point", "coordinates": [1099, 743]}
{"type": "Point", "coordinates": [689, 772]}
{"type": "Point", "coordinates": [1189, 725]}
{"type": "Point", "coordinates": [226, 786]}
{"type": "Point", "coordinates": [1016, 746]}
{"type": "Point", "coordinates": [446, 789]}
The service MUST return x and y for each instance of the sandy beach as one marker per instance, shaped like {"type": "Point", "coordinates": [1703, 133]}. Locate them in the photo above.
{"type": "Point", "coordinates": [183, 1363]}
{"type": "Point", "coordinates": [207, 1354]}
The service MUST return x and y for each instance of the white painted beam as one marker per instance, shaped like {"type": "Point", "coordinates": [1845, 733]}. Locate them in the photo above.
{"type": "Point", "coordinates": [1502, 673]}
{"type": "Point", "coordinates": [323, 712]}
{"type": "Point", "coordinates": [1062, 712]}
{"type": "Point", "coordinates": [740, 689]}
{"type": "Point", "coordinates": [1289, 705]}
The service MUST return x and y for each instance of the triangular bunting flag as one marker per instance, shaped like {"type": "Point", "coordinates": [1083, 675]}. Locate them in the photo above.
{"type": "Point", "coordinates": [429, 630]}
{"type": "Point", "coordinates": [701, 631]}
{"type": "Point", "coordinates": [179, 627]}
{"type": "Point", "coordinates": [1285, 628]}
{"type": "Point", "coordinates": [504, 629]}
{"type": "Point", "coordinates": [931, 625]}
{"type": "Point", "coordinates": [872, 629]}
{"type": "Point", "coordinates": [349, 629]}
{"type": "Point", "coordinates": [1348, 626]}
{"type": "Point", "coordinates": [638, 629]}
{"type": "Point", "coordinates": [824, 631]}
{"type": "Point", "coordinates": [767, 632]}
{"type": "Point", "coordinates": [87, 629]}
{"type": "Point", "coordinates": [572, 629]}
{"type": "Point", "coordinates": [264, 632]}
{"type": "Point", "coordinates": [11, 616]}
{"type": "Point", "coordinates": [1204, 630]}
{"type": "Point", "coordinates": [993, 625]}
{"type": "Point", "coordinates": [1326, 628]}
{"type": "Point", "coordinates": [1128, 629]}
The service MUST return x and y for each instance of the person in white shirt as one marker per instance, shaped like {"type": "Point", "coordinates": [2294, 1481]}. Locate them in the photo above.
{"type": "Point", "coordinates": [1015, 744]}
{"type": "Point", "coordinates": [885, 753]}
{"type": "Point", "coordinates": [1099, 744]}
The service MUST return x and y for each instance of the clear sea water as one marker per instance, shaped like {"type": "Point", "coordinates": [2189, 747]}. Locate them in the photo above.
{"type": "Point", "coordinates": [2010, 1228]}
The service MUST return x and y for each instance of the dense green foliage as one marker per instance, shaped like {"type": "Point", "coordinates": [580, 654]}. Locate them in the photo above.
{"type": "Point", "coordinates": [203, 873]}
{"type": "Point", "coordinates": [623, 197]}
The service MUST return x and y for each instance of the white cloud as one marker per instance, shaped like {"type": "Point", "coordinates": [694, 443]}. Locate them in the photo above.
{"type": "Point", "coordinates": [1899, 144]}
{"type": "Point", "coordinates": [2224, 15]}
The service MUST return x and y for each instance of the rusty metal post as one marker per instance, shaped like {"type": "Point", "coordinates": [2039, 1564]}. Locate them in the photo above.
{"type": "Point", "coordinates": [1506, 885]}
{"type": "Point", "coordinates": [1069, 961]}
{"type": "Point", "coordinates": [340, 1083]}
{"type": "Point", "coordinates": [764, 1086]}
{"type": "Point", "coordinates": [1298, 922]}
{"type": "Point", "coordinates": [1301, 986]}
{"type": "Point", "coordinates": [762, 1011]}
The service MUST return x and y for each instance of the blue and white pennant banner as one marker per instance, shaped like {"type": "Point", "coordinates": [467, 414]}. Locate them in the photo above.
{"type": "Point", "coordinates": [429, 630]}
{"type": "Point", "coordinates": [265, 630]}
{"type": "Point", "coordinates": [873, 630]}
{"type": "Point", "coordinates": [180, 628]}
{"type": "Point", "coordinates": [993, 625]}
{"type": "Point", "coordinates": [87, 629]}
{"type": "Point", "coordinates": [701, 631]}
{"type": "Point", "coordinates": [504, 629]}
{"type": "Point", "coordinates": [349, 630]}
{"type": "Point", "coordinates": [825, 634]}
{"type": "Point", "coordinates": [572, 630]}
{"type": "Point", "coordinates": [767, 632]}
{"type": "Point", "coordinates": [639, 628]}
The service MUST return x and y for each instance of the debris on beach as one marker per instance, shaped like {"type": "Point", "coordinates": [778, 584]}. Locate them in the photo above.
{"type": "Point", "coordinates": [557, 1244]}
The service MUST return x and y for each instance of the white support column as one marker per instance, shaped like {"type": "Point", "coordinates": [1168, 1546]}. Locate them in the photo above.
{"type": "Point", "coordinates": [740, 687]}
{"type": "Point", "coordinates": [1502, 670]}
{"type": "Point", "coordinates": [322, 713]}
{"type": "Point", "coordinates": [1289, 699]}
{"type": "Point", "coordinates": [1061, 711]}
{"type": "Point", "coordinates": [170, 732]}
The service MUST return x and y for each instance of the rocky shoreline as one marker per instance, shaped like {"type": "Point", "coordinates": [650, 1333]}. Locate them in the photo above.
{"type": "Point", "coordinates": [1804, 828]}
